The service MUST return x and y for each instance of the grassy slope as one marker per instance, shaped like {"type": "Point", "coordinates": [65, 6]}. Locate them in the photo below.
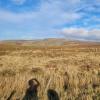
{"type": "Point", "coordinates": [22, 60]}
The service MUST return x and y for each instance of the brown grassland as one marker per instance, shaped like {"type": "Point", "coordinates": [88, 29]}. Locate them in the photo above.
{"type": "Point", "coordinates": [19, 63]}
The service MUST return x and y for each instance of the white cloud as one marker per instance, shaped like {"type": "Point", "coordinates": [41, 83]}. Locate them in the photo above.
{"type": "Point", "coordinates": [18, 2]}
{"type": "Point", "coordinates": [75, 31]}
{"type": "Point", "coordinates": [81, 33]}
{"type": "Point", "coordinates": [49, 13]}
{"type": "Point", "coordinates": [8, 16]}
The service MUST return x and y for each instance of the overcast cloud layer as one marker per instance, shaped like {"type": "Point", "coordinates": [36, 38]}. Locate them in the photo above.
{"type": "Point", "coordinates": [31, 19]}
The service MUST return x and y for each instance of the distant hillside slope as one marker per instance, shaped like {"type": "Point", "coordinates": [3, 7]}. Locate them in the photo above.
{"type": "Point", "coordinates": [48, 42]}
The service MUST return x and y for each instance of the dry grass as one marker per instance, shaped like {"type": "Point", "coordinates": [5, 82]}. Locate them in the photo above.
{"type": "Point", "coordinates": [18, 65]}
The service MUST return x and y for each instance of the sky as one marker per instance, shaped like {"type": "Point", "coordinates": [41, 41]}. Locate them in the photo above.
{"type": "Point", "coordinates": [38, 19]}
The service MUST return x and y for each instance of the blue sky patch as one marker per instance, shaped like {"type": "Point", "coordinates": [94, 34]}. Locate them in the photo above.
{"type": "Point", "coordinates": [33, 19]}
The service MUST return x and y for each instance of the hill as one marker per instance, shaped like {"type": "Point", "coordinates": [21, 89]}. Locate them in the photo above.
{"type": "Point", "coordinates": [49, 42]}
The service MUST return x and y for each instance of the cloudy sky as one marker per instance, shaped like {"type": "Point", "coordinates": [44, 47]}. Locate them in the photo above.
{"type": "Point", "coordinates": [34, 19]}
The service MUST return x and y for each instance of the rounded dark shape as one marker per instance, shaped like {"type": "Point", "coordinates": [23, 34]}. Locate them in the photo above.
{"type": "Point", "coordinates": [52, 95]}
{"type": "Point", "coordinates": [30, 82]}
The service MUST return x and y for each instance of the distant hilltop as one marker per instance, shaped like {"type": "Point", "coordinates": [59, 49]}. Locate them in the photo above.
{"type": "Point", "coordinates": [49, 42]}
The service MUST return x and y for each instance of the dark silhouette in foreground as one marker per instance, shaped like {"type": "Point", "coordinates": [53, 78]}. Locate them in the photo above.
{"type": "Point", "coordinates": [11, 95]}
{"type": "Point", "coordinates": [32, 92]}
{"type": "Point", "coordinates": [52, 95]}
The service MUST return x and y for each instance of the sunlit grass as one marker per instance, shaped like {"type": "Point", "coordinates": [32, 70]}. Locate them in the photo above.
{"type": "Point", "coordinates": [18, 65]}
